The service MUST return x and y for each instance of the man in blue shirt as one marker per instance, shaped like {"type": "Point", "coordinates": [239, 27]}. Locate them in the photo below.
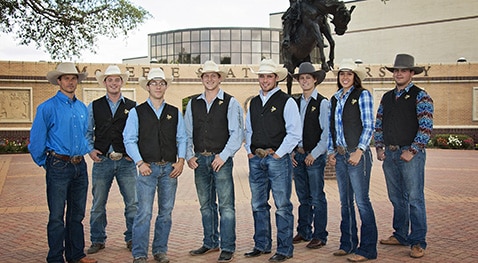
{"type": "Point", "coordinates": [214, 124]}
{"type": "Point", "coordinates": [58, 143]}
{"type": "Point", "coordinates": [155, 138]}
{"type": "Point", "coordinates": [106, 120]}
{"type": "Point", "coordinates": [273, 130]}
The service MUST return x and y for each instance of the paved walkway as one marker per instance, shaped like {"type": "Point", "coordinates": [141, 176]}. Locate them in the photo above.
{"type": "Point", "coordinates": [451, 192]}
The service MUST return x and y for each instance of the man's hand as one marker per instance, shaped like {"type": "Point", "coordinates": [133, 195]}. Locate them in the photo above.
{"type": "Point", "coordinates": [177, 168]}
{"type": "Point", "coordinates": [217, 163]}
{"type": "Point", "coordinates": [94, 155]}
{"type": "Point", "coordinates": [331, 159]}
{"type": "Point", "coordinates": [309, 160]}
{"type": "Point", "coordinates": [407, 155]}
{"type": "Point", "coordinates": [192, 163]}
{"type": "Point", "coordinates": [355, 157]}
{"type": "Point", "coordinates": [380, 154]}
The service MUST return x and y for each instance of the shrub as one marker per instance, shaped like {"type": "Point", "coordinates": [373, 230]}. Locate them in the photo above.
{"type": "Point", "coordinates": [14, 146]}
{"type": "Point", "coordinates": [453, 141]}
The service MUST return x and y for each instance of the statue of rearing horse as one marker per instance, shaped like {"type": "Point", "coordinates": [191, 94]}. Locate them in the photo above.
{"type": "Point", "coordinates": [305, 33]}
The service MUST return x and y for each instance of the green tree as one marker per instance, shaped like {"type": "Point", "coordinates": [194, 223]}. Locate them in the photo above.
{"type": "Point", "coordinates": [65, 28]}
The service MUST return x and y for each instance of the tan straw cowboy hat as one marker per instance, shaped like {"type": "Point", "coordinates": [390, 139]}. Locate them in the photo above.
{"type": "Point", "coordinates": [347, 64]}
{"type": "Point", "coordinates": [156, 74]}
{"type": "Point", "coordinates": [211, 67]}
{"type": "Point", "coordinates": [111, 70]}
{"type": "Point", "coordinates": [64, 68]}
{"type": "Point", "coordinates": [268, 66]}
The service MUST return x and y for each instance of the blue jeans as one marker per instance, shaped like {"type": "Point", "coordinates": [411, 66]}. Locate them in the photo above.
{"type": "Point", "coordinates": [405, 185]}
{"type": "Point", "coordinates": [102, 177]}
{"type": "Point", "coordinates": [66, 184]}
{"type": "Point", "coordinates": [146, 187]}
{"type": "Point", "coordinates": [309, 186]}
{"type": "Point", "coordinates": [355, 181]}
{"type": "Point", "coordinates": [210, 184]}
{"type": "Point", "coordinates": [266, 174]}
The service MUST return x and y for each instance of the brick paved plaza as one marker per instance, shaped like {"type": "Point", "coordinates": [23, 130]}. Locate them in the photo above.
{"type": "Point", "coordinates": [450, 188]}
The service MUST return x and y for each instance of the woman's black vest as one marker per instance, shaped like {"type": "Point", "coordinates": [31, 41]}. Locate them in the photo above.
{"type": "Point", "coordinates": [210, 129]}
{"type": "Point", "coordinates": [268, 124]}
{"type": "Point", "coordinates": [108, 128]}
{"type": "Point", "coordinates": [312, 131]}
{"type": "Point", "coordinates": [157, 138]}
{"type": "Point", "coordinates": [351, 121]}
{"type": "Point", "coordinates": [400, 121]}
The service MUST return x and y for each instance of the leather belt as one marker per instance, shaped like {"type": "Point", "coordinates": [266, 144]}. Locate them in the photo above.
{"type": "Point", "coordinates": [393, 147]}
{"type": "Point", "coordinates": [261, 153]}
{"type": "Point", "coordinates": [72, 159]}
{"type": "Point", "coordinates": [160, 163]}
{"type": "Point", "coordinates": [300, 150]}
{"type": "Point", "coordinates": [205, 153]}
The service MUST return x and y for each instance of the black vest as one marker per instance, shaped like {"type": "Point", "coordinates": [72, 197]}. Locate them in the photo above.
{"type": "Point", "coordinates": [400, 121]}
{"type": "Point", "coordinates": [312, 131]}
{"type": "Point", "coordinates": [108, 128]}
{"type": "Point", "coordinates": [268, 124]}
{"type": "Point", "coordinates": [210, 129]}
{"type": "Point", "coordinates": [157, 138]}
{"type": "Point", "coordinates": [351, 121]}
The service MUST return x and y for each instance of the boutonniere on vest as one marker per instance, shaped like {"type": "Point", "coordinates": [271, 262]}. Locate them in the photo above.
{"type": "Point", "coordinates": [273, 109]}
{"type": "Point", "coordinates": [407, 96]}
{"type": "Point", "coordinates": [126, 111]}
{"type": "Point", "coordinates": [221, 102]}
{"type": "Point", "coordinates": [169, 117]}
{"type": "Point", "coordinates": [354, 101]}
{"type": "Point", "coordinates": [313, 108]}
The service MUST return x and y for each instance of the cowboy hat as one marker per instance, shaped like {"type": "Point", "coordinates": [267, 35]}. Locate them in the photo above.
{"type": "Point", "coordinates": [64, 68]}
{"type": "Point", "coordinates": [211, 67]}
{"type": "Point", "coordinates": [111, 70]}
{"type": "Point", "coordinates": [154, 73]}
{"type": "Point", "coordinates": [347, 64]}
{"type": "Point", "coordinates": [308, 68]}
{"type": "Point", "coordinates": [268, 66]}
{"type": "Point", "coordinates": [405, 61]}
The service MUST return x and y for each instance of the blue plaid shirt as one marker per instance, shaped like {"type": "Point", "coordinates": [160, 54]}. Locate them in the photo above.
{"type": "Point", "coordinates": [366, 115]}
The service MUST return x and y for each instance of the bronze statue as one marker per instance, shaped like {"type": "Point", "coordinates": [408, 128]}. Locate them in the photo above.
{"type": "Point", "coordinates": [304, 23]}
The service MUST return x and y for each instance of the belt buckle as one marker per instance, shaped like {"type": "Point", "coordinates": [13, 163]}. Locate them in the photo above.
{"type": "Point", "coordinates": [161, 163]}
{"type": "Point", "coordinates": [76, 159]}
{"type": "Point", "coordinates": [261, 152]}
{"type": "Point", "coordinates": [115, 156]}
{"type": "Point", "coordinates": [393, 147]}
{"type": "Point", "coordinates": [341, 150]}
{"type": "Point", "coordinates": [207, 154]}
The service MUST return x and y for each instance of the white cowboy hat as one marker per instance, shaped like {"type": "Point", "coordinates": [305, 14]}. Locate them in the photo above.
{"type": "Point", "coordinates": [209, 67]}
{"type": "Point", "coordinates": [154, 73]}
{"type": "Point", "coordinates": [111, 70]}
{"type": "Point", "coordinates": [64, 68]}
{"type": "Point", "coordinates": [347, 64]}
{"type": "Point", "coordinates": [405, 61]}
{"type": "Point", "coordinates": [268, 66]}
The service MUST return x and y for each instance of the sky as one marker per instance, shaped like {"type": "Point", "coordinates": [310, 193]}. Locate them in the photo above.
{"type": "Point", "coordinates": [167, 15]}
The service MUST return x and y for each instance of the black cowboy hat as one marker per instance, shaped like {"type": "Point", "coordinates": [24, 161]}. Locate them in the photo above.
{"type": "Point", "coordinates": [308, 68]}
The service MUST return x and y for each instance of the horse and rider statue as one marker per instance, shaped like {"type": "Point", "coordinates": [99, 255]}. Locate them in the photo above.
{"type": "Point", "coordinates": [305, 23]}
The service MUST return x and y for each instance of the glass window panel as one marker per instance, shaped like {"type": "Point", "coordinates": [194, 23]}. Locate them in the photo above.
{"type": "Point", "coordinates": [170, 49]}
{"type": "Point", "coordinates": [215, 46]}
{"type": "Point", "coordinates": [186, 47]}
{"type": "Point", "coordinates": [275, 57]}
{"type": "Point", "coordinates": [256, 35]}
{"type": "Point", "coordinates": [246, 58]}
{"type": "Point", "coordinates": [275, 36]}
{"type": "Point", "coordinates": [215, 57]}
{"type": "Point", "coordinates": [256, 59]}
{"type": "Point", "coordinates": [205, 35]}
{"type": "Point", "coordinates": [164, 50]}
{"type": "Point", "coordinates": [235, 46]}
{"type": "Point", "coordinates": [225, 34]}
{"type": "Point", "coordinates": [186, 36]}
{"type": "Point", "coordinates": [225, 46]}
{"type": "Point", "coordinates": [266, 35]}
{"type": "Point", "coordinates": [235, 34]}
{"type": "Point", "coordinates": [246, 46]}
{"type": "Point", "coordinates": [170, 58]}
{"type": "Point", "coordinates": [196, 59]}
{"type": "Point", "coordinates": [170, 38]}
{"type": "Point", "coordinates": [246, 34]}
{"type": "Point", "coordinates": [225, 58]}
{"type": "Point", "coordinates": [256, 47]}
{"type": "Point", "coordinates": [164, 39]}
{"type": "Point", "coordinates": [215, 35]}
{"type": "Point", "coordinates": [236, 58]}
{"type": "Point", "coordinates": [266, 47]}
{"type": "Point", "coordinates": [205, 47]}
{"type": "Point", "coordinates": [275, 48]}
{"type": "Point", "coordinates": [177, 47]}
{"type": "Point", "coordinates": [195, 36]}
{"type": "Point", "coordinates": [153, 40]}
{"type": "Point", "coordinates": [177, 37]}
{"type": "Point", "coordinates": [195, 47]}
